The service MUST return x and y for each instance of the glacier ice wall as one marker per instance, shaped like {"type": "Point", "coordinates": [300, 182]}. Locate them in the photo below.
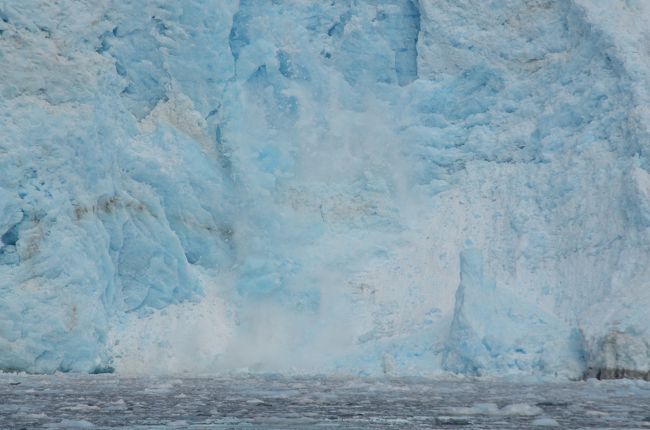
{"type": "Point", "coordinates": [404, 187]}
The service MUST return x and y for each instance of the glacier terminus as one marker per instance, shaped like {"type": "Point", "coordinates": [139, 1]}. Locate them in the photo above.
{"type": "Point", "coordinates": [395, 187]}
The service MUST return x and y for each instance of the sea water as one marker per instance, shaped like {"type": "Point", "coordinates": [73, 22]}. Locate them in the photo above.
{"type": "Point", "coordinates": [277, 402]}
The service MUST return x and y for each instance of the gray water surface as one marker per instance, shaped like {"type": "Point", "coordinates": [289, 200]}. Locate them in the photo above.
{"type": "Point", "coordinates": [268, 402]}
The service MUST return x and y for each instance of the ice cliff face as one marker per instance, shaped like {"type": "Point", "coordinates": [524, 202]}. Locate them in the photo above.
{"type": "Point", "coordinates": [405, 187]}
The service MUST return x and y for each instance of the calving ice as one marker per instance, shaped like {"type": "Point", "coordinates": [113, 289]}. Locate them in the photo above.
{"type": "Point", "coordinates": [359, 187]}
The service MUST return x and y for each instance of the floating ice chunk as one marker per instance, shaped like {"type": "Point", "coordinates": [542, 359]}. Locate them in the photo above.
{"type": "Point", "coordinates": [81, 407]}
{"type": "Point", "coordinates": [517, 409]}
{"type": "Point", "coordinates": [521, 409]}
{"type": "Point", "coordinates": [545, 422]}
{"type": "Point", "coordinates": [159, 389]}
{"type": "Point", "coordinates": [475, 409]}
{"type": "Point", "coordinates": [71, 424]}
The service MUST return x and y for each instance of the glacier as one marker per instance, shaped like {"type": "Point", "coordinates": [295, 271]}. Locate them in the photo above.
{"type": "Point", "coordinates": [404, 187]}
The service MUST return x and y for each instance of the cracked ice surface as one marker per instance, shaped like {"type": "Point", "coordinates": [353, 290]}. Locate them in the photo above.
{"type": "Point", "coordinates": [404, 188]}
